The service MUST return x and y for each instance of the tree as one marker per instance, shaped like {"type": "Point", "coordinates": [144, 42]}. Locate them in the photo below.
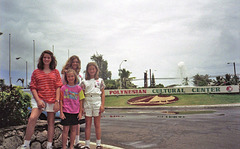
{"type": "Point", "coordinates": [152, 81]}
{"type": "Point", "coordinates": [103, 66]}
{"type": "Point", "coordinates": [185, 81]}
{"type": "Point", "coordinates": [228, 80]}
{"type": "Point", "coordinates": [22, 80]}
{"type": "Point", "coordinates": [201, 80]}
{"type": "Point", "coordinates": [159, 85]}
{"type": "Point", "coordinates": [126, 80]}
{"type": "Point", "coordinates": [111, 84]}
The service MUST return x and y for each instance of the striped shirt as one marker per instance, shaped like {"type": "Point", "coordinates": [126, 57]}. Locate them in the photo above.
{"type": "Point", "coordinates": [46, 84]}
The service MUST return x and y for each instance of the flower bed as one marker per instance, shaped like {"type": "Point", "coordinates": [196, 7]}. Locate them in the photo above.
{"type": "Point", "coordinates": [152, 100]}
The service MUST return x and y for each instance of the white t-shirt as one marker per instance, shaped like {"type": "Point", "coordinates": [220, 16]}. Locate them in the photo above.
{"type": "Point", "coordinates": [92, 86]}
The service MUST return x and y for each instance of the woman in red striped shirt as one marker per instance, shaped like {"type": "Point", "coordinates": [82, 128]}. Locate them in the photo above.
{"type": "Point", "coordinates": [45, 87]}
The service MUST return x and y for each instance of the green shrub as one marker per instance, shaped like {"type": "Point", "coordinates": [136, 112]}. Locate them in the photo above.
{"type": "Point", "coordinates": [14, 105]}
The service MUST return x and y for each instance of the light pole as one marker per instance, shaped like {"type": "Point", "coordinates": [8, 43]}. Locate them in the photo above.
{"type": "Point", "coordinates": [120, 72]}
{"type": "Point", "coordinates": [10, 79]}
{"type": "Point", "coordinates": [33, 54]}
{"type": "Point", "coordinates": [0, 35]}
{"type": "Point", "coordinates": [26, 70]}
{"type": "Point", "coordinates": [234, 68]}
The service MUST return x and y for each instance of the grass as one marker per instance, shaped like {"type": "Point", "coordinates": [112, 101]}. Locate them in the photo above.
{"type": "Point", "coordinates": [195, 112]}
{"type": "Point", "coordinates": [191, 99]}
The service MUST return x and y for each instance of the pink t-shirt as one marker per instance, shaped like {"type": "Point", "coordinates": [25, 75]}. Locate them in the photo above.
{"type": "Point", "coordinates": [71, 95]}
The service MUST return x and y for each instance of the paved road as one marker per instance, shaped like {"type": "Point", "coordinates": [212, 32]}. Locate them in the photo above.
{"type": "Point", "coordinates": [152, 128]}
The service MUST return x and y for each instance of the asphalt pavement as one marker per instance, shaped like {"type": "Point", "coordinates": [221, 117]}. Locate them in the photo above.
{"type": "Point", "coordinates": [148, 127]}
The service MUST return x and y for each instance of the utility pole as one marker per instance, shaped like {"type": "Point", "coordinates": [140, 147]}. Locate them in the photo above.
{"type": "Point", "coordinates": [150, 77]}
{"type": "Point", "coordinates": [145, 80]}
{"type": "Point", "coordinates": [10, 79]}
{"type": "Point", "coordinates": [53, 49]}
{"type": "Point", "coordinates": [68, 53]}
{"type": "Point", "coordinates": [34, 55]}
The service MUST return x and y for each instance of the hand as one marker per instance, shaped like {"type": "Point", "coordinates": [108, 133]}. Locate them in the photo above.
{"type": "Point", "coordinates": [102, 109]}
{"type": "Point", "coordinates": [62, 116]}
{"type": "Point", "coordinates": [56, 107]}
{"type": "Point", "coordinates": [83, 112]}
{"type": "Point", "coordinates": [79, 115]}
{"type": "Point", "coordinates": [40, 104]}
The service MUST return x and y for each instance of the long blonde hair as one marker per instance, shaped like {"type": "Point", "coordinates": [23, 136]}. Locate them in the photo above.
{"type": "Point", "coordinates": [87, 75]}
{"type": "Point", "coordinates": [69, 64]}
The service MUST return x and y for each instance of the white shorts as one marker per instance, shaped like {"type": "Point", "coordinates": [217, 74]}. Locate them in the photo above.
{"type": "Point", "coordinates": [48, 106]}
{"type": "Point", "coordinates": [92, 106]}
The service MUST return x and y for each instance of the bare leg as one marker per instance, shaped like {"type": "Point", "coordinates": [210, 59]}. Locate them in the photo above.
{"type": "Point", "coordinates": [72, 135]}
{"type": "Point", "coordinates": [88, 127]}
{"type": "Point", "coordinates": [65, 136]}
{"type": "Point", "coordinates": [32, 123]}
{"type": "Point", "coordinates": [77, 132]}
{"type": "Point", "coordinates": [97, 127]}
{"type": "Point", "coordinates": [50, 119]}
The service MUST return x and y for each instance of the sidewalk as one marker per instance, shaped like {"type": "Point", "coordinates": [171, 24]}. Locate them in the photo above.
{"type": "Point", "coordinates": [93, 146]}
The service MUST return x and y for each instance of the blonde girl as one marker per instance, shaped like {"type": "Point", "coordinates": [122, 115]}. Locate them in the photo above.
{"type": "Point", "coordinates": [74, 63]}
{"type": "Point", "coordinates": [93, 87]}
{"type": "Point", "coordinates": [70, 106]}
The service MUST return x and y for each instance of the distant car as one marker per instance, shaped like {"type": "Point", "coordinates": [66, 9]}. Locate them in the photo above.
{"type": "Point", "coordinates": [43, 115]}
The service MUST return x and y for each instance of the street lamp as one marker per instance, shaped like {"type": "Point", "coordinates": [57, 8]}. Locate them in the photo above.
{"type": "Point", "coordinates": [26, 70]}
{"type": "Point", "coordinates": [234, 68]}
{"type": "Point", "coordinates": [120, 72]}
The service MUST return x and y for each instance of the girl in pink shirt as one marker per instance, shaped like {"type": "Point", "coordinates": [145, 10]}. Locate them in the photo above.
{"type": "Point", "coordinates": [70, 106]}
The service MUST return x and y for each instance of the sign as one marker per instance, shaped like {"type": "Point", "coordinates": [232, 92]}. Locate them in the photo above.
{"type": "Point", "coordinates": [176, 90]}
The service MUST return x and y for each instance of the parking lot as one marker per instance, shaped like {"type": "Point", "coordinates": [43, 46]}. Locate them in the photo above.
{"type": "Point", "coordinates": [160, 128]}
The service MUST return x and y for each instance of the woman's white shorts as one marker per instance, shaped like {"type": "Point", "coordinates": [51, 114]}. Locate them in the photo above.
{"type": "Point", "coordinates": [48, 106]}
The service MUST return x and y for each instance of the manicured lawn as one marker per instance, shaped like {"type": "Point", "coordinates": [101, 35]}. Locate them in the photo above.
{"type": "Point", "coordinates": [192, 99]}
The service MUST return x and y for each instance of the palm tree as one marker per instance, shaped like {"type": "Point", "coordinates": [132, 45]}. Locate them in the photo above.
{"type": "Point", "coordinates": [22, 80]}
{"type": "Point", "coordinates": [125, 74]}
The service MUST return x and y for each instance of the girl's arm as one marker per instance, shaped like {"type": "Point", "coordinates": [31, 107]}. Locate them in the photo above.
{"type": "Point", "coordinates": [33, 87]}
{"type": "Point", "coordinates": [81, 98]}
{"type": "Point", "coordinates": [62, 116]}
{"type": "Point", "coordinates": [80, 110]}
{"type": "Point", "coordinates": [103, 101]}
{"type": "Point", "coordinates": [56, 105]}
{"type": "Point", "coordinates": [40, 103]}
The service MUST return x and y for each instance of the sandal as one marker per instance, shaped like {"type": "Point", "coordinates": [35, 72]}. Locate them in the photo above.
{"type": "Point", "coordinates": [85, 147]}
{"type": "Point", "coordinates": [99, 147]}
{"type": "Point", "coordinates": [79, 146]}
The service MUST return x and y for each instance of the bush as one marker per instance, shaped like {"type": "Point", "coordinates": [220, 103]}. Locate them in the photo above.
{"type": "Point", "coordinates": [14, 105]}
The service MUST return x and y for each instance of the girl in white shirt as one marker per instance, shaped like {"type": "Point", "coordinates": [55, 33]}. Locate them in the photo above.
{"type": "Point", "coordinates": [93, 87]}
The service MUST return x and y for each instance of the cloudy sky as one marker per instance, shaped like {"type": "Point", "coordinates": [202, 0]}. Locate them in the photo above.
{"type": "Point", "coordinates": [166, 36]}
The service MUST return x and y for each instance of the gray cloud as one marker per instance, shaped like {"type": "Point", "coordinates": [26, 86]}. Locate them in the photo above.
{"type": "Point", "coordinates": [150, 34]}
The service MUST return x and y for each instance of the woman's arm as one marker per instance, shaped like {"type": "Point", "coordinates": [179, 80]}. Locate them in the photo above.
{"type": "Point", "coordinates": [63, 79]}
{"type": "Point", "coordinates": [62, 116]}
{"type": "Point", "coordinates": [56, 104]}
{"type": "Point", "coordinates": [40, 103]}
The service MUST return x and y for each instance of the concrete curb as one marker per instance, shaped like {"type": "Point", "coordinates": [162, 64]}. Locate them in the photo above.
{"type": "Point", "coordinates": [173, 107]}
{"type": "Point", "coordinates": [105, 146]}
